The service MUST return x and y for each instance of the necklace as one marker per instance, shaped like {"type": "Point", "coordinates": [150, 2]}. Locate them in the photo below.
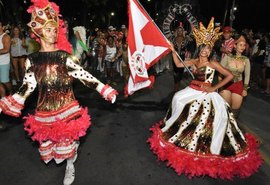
{"type": "Point", "coordinates": [239, 57]}
{"type": "Point", "coordinates": [237, 61]}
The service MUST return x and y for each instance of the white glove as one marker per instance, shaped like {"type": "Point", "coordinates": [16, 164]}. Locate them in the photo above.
{"type": "Point", "coordinates": [113, 98]}
{"type": "Point", "coordinates": [107, 92]}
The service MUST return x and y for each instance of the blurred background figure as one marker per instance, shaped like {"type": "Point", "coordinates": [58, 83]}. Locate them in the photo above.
{"type": "Point", "coordinates": [5, 43]}
{"type": "Point", "coordinates": [18, 52]}
{"type": "Point", "coordinates": [228, 42]}
{"type": "Point", "coordinates": [5, 85]}
{"type": "Point", "coordinates": [239, 66]}
{"type": "Point", "coordinates": [80, 43]}
{"type": "Point", "coordinates": [31, 44]}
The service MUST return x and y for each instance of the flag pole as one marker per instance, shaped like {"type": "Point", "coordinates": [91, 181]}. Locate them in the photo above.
{"type": "Point", "coordinates": [185, 66]}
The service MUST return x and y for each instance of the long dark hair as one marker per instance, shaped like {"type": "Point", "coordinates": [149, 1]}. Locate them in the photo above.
{"type": "Point", "coordinates": [236, 37]}
{"type": "Point", "coordinates": [199, 49]}
{"type": "Point", "coordinates": [21, 36]}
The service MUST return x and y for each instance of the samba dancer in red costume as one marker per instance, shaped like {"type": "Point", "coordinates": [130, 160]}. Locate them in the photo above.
{"type": "Point", "coordinates": [199, 135]}
{"type": "Point", "coordinates": [59, 121]}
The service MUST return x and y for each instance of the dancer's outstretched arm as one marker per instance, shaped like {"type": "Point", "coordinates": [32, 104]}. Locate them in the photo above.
{"type": "Point", "coordinates": [89, 80]}
{"type": "Point", "coordinates": [13, 104]}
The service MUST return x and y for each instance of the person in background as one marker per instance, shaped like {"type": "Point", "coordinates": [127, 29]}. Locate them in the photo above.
{"type": "Point", "coordinates": [111, 31]}
{"type": "Point", "coordinates": [32, 44]}
{"type": "Point", "coordinates": [180, 46]}
{"type": "Point", "coordinates": [18, 52]}
{"type": "Point", "coordinates": [239, 66]}
{"type": "Point", "coordinates": [80, 45]}
{"type": "Point", "coordinates": [258, 60]}
{"type": "Point", "coordinates": [92, 53]}
{"type": "Point", "coordinates": [124, 63]}
{"type": "Point", "coordinates": [5, 85]}
{"type": "Point", "coordinates": [228, 43]}
{"type": "Point", "coordinates": [124, 30]}
{"type": "Point", "coordinates": [2, 94]}
{"type": "Point", "coordinates": [119, 46]}
{"type": "Point", "coordinates": [101, 53]}
{"type": "Point", "coordinates": [110, 59]}
{"type": "Point", "coordinates": [267, 66]}
{"type": "Point", "coordinates": [5, 44]}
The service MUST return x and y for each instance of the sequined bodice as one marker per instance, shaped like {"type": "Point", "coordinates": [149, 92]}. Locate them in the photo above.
{"type": "Point", "coordinates": [204, 74]}
{"type": "Point", "coordinates": [236, 65]}
{"type": "Point", "coordinates": [54, 83]}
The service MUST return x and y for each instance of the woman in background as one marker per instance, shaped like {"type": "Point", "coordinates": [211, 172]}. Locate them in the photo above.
{"type": "Point", "coordinates": [239, 66]}
{"type": "Point", "coordinates": [18, 52]}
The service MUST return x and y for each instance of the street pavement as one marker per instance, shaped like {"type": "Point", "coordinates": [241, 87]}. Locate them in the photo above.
{"type": "Point", "coordinates": [115, 151]}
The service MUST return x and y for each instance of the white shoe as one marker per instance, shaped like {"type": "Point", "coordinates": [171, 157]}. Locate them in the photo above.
{"type": "Point", "coordinates": [75, 156]}
{"type": "Point", "coordinates": [69, 175]}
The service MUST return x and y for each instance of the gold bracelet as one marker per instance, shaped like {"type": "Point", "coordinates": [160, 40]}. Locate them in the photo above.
{"type": "Point", "coordinates": [246, 87]}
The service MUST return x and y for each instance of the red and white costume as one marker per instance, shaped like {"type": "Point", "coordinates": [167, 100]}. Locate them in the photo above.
{"type": "Point", "coordinates": [199, 135]}
{"type": "Point", "coordinates": [228, 46]}
{"type": "Point", "coordinates": [59, 121]}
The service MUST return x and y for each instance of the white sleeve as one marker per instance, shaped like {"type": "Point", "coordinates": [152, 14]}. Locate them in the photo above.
{"type": "Point", "coordinates": [89, 80]}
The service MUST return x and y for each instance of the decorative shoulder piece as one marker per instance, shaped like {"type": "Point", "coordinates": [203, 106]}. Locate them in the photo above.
{"type": "Point", "coordinates": [206, 36]}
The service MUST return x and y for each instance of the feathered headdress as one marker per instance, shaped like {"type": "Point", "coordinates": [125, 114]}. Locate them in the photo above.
{"type": "Point", "coordinates": [207, 36]}
{"type": "Point", "coordinates": [43, 12]}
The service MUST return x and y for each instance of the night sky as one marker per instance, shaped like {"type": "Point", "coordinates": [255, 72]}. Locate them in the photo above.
{"type": "Point", "coordinates": [250, 13]}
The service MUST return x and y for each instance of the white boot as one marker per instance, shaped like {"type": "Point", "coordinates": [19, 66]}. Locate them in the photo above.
{"type": "Point", "coordinates": [70, 173]}
{"type": "Point", "coordinates": [76, 152]}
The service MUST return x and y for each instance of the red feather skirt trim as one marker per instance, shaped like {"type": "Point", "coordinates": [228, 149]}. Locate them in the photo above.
{"type": "Point", "coordinates": [197, 164]}
{"type": "Point", "coordinates": [59, 130]}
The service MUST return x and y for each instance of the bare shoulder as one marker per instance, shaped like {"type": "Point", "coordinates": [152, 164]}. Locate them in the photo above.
{"type": "Point", "coordinates": [214, 64]}
{"type": "Point", "coordinates": [218, 67]}
{"type": "Point", "coordinates": [6, 37]}
{"type": "Point", "coordinates": [6, 40]}
{"type": "Point", "coordinates": [191, 62]}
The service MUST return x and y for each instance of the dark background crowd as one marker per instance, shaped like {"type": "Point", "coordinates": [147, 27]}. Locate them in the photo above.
{"type": "Point", "coordinates": [99, 41]}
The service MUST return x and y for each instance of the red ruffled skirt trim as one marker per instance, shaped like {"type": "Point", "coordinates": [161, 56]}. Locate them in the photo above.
{"type": "Point", "coordinates": [196, 164]}
{"type": "Point", "coordinates": [59, 130]}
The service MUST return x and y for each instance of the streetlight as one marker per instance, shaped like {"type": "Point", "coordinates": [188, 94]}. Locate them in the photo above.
{"type": "Point", "coordinates": [232, 16]}
{"type": "Point", "coordinates": [110, 16]}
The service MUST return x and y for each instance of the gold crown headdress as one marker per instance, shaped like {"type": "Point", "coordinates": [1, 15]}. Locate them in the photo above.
{"type": "Point", "coordinates": [42, 16]}
{"type": "Point", "coordinates": [206, 36]}
{"type": "Point", "coordinates": [44, 12]}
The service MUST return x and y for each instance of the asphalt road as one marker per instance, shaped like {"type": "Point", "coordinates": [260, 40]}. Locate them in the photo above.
{"type": "Point", "coordinates": [115, 151]}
